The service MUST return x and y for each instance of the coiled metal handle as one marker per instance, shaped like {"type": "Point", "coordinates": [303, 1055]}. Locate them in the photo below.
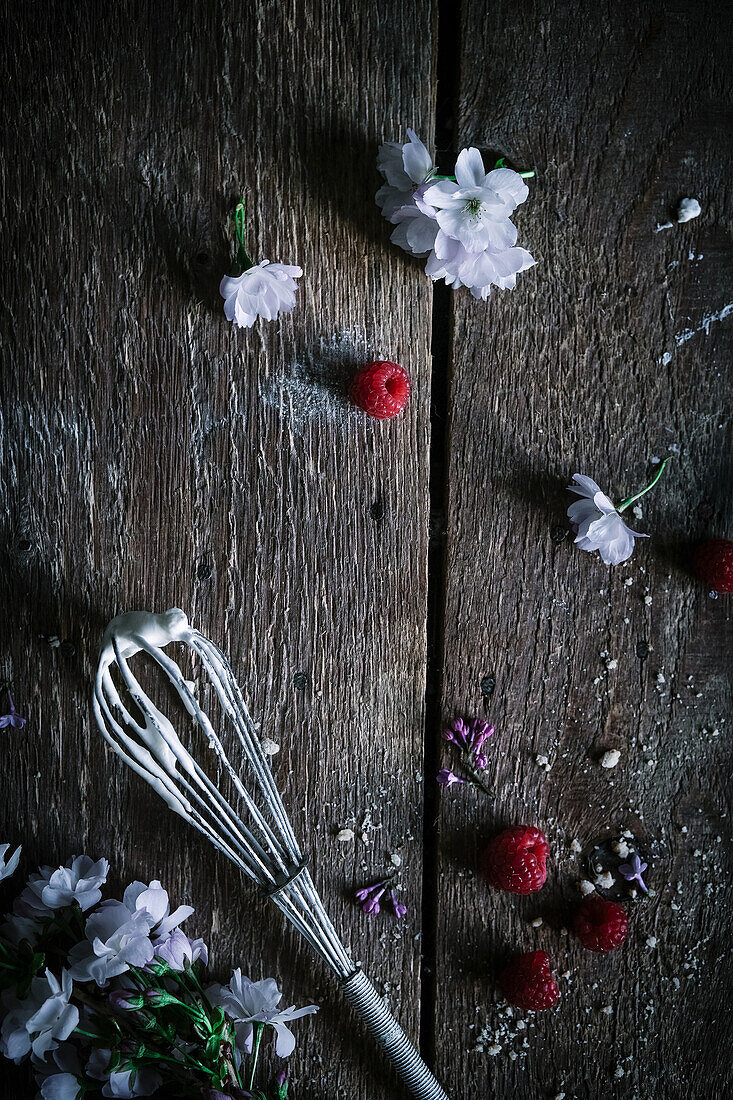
{"type": "Point", "coordinates": [360, 993]}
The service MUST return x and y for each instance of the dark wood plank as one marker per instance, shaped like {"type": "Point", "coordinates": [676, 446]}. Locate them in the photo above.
{"type": "Point", "coordinates": [623, 111]}
{"type": "Point", "coordinates": [154, 456]}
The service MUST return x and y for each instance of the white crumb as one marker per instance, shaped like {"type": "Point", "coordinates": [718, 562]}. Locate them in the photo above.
{"type": "Point", "coordinates": [610, 759]}
{"type": "Point", "coordinates": [688, 209]}
{"type": "Point", "coordinates": [586, 887]}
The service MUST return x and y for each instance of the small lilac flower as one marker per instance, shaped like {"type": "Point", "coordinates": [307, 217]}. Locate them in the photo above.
{"type": "Point", "coordinates": [364, 893]}
{"type": "Point", "coordinates": [178, 951]}
{"type": "Point", "coordinates": [480, 732]}
{"type": "Point", "coordinates": [371, 905]}
{"type": "Point", "coordinates": [457, 733]}
{"type": "Point", "coordinates": [12, 718]}
{"type": "Point", "coordinates": [446, 778]}
{"type": "Point", "coordinates": [399, 908]}
{"type": "Point", "coordinates": [633, 870]}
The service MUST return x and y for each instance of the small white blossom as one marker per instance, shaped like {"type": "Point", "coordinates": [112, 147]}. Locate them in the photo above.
{"type": "Point", "coordinates": [475, 209]}
{"type": "Point", "coordinates": [264, 290]}
{"type": "Point", "coordinates": [78, 881]}
{"type": "Point", "coordinates": [404, 167]}
{"type": "Point", "coordinates": [478, 271]}
{"type": "Point", "coordinates": [248, 1003]}
{"type": "Point", "coordinates": [154, 900]}
{"type": "Point", "coordinates": [115, 941]}
{"type": "Point", "coordinates": [7, 868]}
{"type": "Point", "coordinates": [118, 934]}
{"type": "Point", "coordinates": [598, 525]}
{"type": "Point", "coordinates": [40, 1020]}
{"type": "Point", "coordinates": [415, 231]}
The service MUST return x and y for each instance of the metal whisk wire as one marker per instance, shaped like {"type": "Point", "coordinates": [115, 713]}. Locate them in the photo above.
{"type": "Point", "coordinates": [264, 847]}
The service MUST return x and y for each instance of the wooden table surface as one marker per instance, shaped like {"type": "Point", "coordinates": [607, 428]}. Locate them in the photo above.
{"type": "Point", "coordinates": [371, 581]}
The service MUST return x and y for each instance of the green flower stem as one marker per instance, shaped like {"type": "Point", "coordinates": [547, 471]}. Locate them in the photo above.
{"type": "Point", "coordinates": [89, 1035]}
{"type": "Point", "coordinates": [259, 1028]}
{"type": "Point", "coordinates": [477, 781]}
{"type": "Point", "coordinates": [239, 230]}
{"type": "Point", "coordinates": [190, 974]}
{"type": "Point", "coordinates": [651, 485]}
{"type": "Point", "coordinates": [499, 164]}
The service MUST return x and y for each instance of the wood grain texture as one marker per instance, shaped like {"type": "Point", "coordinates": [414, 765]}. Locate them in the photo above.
{"type": "Point", "coordinates": [622, 111]}
{"type": "Point", "coordinates": [152, 455]}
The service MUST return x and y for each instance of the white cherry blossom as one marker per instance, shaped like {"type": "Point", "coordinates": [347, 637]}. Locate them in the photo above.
{"type": "Point", "coordinates": [598, 525]}
{"type": "Point", "coordinates": [475, 209]}
{"type": "Point", "coordinates": [263, 290]}
{"type": "Point", "coordinates": [479, 271]}
{"type": "Point", "coordinates": [404, 167]}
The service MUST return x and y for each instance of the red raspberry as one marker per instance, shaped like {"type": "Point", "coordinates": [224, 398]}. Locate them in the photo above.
{"type": "Point", "coordinates": [714, 564]}
{"type": "Point", "coordinates": [381, 389]}
{"type": "Point", "coordinates": [600, 925]}
{"type": "Point", "coordinates": [516, 860]}
{"type": "Point", "coordinates": [527, 982]}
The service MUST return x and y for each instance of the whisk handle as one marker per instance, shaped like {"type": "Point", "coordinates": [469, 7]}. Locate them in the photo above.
{"type": "Point", "coordinates": [362, 995]}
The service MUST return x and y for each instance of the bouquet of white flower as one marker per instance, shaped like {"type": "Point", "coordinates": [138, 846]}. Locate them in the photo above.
{"type": "Point", "coordinates": [107, 997]}
{"type": "Point", "coordinates": [461, 223]}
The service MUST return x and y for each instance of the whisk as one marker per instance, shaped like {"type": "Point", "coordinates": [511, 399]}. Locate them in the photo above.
{"type": "Point", "coordinates": [261, 841]}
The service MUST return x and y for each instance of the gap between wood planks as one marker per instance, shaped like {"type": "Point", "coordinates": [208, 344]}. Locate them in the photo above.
{"type": "Point", "coordinates": [448, 61]}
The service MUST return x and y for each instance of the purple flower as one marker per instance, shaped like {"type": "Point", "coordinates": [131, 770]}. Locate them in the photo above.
{"type": "Point", "coordinates": [12, 718]}
{"type": "Point", "coordinates": [364, 893]}
{"type": "Point", "coordinates": [446, 778]}
{"type": "Point", "coordinates": [457, 733]}
{"type": "Point", "coordinates": [399, 908]}
{"type": "Point", "coordinates": [633, 870]}
{"type": "Point", "coordinates": [480, 732]}
{"type": "Point", "coordinates": [371, 905]}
